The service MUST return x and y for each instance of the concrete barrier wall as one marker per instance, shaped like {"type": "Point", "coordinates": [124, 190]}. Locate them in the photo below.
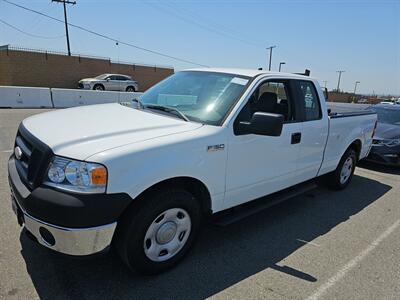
{"type": "Point", "coordinates": [70, 98]}
{"type": "Point", "coordinates": [25, 97]}
{"type": "Point", "coordinates": [30, 97]}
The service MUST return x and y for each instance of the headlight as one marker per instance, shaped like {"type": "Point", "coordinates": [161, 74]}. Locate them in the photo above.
{"type": "Point", "coordinates": [76, 176]}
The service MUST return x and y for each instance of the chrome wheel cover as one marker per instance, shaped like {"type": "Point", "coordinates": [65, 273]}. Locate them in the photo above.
{"type": "Point", "coordinates": [167, 234]}
{"type": "Point", "coordinates": [347, 168]}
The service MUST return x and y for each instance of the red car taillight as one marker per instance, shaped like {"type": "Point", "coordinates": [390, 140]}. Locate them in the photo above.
{"type": "Point", "coordinates": [373, 131]}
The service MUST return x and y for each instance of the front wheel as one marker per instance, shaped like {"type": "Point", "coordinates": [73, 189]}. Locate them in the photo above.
{"type": "Point", "coordinates": [98, 87]}
{"type": "Point", "coordinates": [130, 89]}
{"type": "Point", "coordinates": [343, 174]}
{"type": "Point", "coordinates": [157, 233]}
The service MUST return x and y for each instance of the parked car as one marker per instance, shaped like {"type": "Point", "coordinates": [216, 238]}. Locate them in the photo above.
{"type": "Point", "coordinates": [110, 82]}
{"type": "Point", "coordinates": [386, 144]}
{"type": "Point", "coordinates": [202, 141]}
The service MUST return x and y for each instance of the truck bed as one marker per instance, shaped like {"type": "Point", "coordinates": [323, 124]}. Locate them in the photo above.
{"type": "Point", "coordinates": [341, 110]}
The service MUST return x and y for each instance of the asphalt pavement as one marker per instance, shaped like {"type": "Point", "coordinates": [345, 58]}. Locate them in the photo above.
{"type": "Point", "coordinates": [321, 245]}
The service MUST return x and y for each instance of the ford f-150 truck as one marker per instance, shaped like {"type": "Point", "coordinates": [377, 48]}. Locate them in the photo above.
{"type": "Point", "coordinates": [142, 177]}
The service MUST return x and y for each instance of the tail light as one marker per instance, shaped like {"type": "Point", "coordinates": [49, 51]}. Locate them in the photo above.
{"type": "Point", "coordinates": [373, 131]}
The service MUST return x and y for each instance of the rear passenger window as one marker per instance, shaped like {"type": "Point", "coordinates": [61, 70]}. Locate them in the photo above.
{"type": "Point", "coordinates": [309, 100]}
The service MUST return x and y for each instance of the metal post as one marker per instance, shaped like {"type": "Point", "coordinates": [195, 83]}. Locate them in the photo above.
{"type": "Point", "coordinates": [270, 56]}
{"type": "Point", "coordinates": [64, 2]}
{"type": "Point", "coordinates": [280, 65]}
{"type": "Point", "coordinates": [340, 75]}
{"type": "Point", "coordinates": [355, 87]}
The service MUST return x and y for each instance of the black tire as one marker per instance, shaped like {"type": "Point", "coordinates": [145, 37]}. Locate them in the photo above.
{"type": "Point", "coordinates": [130, 89]}
{"type": "Point", "coordinates": [130, 240]}
{"type": "Point", "coordinates": [98, 87]}
{"type": "Point", "coordinates": [335, 180]}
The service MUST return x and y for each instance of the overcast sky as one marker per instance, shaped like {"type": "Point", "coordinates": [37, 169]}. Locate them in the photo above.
{"type": "Point", "coordinates": [360, 37]}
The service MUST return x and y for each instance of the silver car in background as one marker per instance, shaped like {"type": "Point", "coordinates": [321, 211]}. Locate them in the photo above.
{"type": "Point", "coordinates": [110, 82]}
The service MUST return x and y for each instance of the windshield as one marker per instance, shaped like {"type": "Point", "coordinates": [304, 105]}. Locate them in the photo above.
{"type": "Point", "coordinates": [387, 115]}
{"type": "Point", "coordinates": [102, 76]}
{"type": "Point", "coordinates": [204, 97]}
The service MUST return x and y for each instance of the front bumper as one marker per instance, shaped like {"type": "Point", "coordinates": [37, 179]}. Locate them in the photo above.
{"type": "Point", "coordinates": [72, 224]}
{"type": "Point", "coordinates": [71, 241]}
{"type": "Point", "coordinates": [85, 86]}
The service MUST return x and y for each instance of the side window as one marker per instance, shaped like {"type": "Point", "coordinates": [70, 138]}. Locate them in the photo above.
{"type": "Point", "coordinates": [309, 100]}
{"type": "Point", "coordinates": [272, 97]}
{"type": "Point", "coordinates": [112, 77]}
{"type": "Point", "coordinates": [122, 78]}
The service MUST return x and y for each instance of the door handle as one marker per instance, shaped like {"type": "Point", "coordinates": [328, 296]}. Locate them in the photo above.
{"type": "Point", "coordinates": [296, 138]}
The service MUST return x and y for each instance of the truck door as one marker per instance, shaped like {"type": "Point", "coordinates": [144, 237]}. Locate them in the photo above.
{"type": "Point", "coordinates": [314, 129]}
{"type": "Point", "coordinates": [258, 165]}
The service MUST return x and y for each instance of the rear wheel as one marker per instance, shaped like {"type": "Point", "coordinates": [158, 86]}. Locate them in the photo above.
{"type": "Point", "coordinates": [343, 174]}
{"type": "Point", "coordinates": [130, 89]}
{"type": "Point", "coordinates": [156, 234]}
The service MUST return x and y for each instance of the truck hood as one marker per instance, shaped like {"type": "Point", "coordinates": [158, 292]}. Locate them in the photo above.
{"type": "Point", "coordinates": [83, 131]}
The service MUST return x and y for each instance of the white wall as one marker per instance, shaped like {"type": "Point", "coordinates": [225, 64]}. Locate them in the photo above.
{"type": "Point", "coordinates": [24, 97]}
{"type": "Point", "coordinates": [29, 97]}
{"type": "Point", "coordinates": [69, 97]}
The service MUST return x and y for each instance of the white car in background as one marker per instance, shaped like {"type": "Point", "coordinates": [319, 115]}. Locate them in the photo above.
{"type": "Point", "coordinates": [110, 82]}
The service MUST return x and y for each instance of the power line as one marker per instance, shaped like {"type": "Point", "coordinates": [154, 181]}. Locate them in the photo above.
{"type": "Point", "coordinates": [105, 36]}
{"type": "Point", "coordinates": [30, 34]}
{"type": "Point", "coordinates": [227, 32]}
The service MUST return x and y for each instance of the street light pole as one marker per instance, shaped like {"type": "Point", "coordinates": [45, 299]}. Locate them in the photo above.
{"type": "Point", "coordinates": [325, 82]}
{"type": "Point", "coordinates": [280, 65]}
{"type": "Point", "coordinates": [270, 56]}
{"type": "Point", "coordinates": [64, 2]}
{"type": "Point", "coordinates": [340, 75]}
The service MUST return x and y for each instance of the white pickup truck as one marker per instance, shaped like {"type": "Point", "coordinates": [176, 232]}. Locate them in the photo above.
{"type": "Point", "coordinates": [142, 178]}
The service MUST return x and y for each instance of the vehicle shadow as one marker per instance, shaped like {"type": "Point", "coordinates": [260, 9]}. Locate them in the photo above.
{"type": "Point", "coordinates": [222, 257]}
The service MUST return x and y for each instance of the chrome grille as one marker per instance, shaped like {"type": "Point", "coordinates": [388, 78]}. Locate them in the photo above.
{"type": "Point", "coordinates": [34, 159]}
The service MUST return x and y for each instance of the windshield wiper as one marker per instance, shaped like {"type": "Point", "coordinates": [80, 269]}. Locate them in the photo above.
{"type": "Point", "coordinates": [171, 110]}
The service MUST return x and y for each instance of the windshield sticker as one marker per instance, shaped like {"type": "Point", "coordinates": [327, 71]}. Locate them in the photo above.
{"type": "Point", "coordinates": [239, 80]}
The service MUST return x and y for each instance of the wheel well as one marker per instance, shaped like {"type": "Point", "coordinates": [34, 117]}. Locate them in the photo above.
{"type": "Point", "coordinates": [130, 86]}
{"type": "Point", "coordinates": [356, 146]}
{"type": "Point", "coordinates": [197, 188]}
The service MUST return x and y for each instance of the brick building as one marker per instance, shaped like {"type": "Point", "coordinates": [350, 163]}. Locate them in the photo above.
{"type": "Point", "coordinates": [40, 68]}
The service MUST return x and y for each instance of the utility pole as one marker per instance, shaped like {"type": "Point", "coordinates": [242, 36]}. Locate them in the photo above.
{"type": "Point", "coordinates": [270, 56]}
{"type": "Point", "coordinates": [325, 82]}
{"type": "Point", "coordinates": [64, 2]}
{"type": "Point", "coordinates": [280, 65]}
{"type": "Point", "coordinates": [355, 87]}
{"type": "Point", "coordinates": [340, 75]}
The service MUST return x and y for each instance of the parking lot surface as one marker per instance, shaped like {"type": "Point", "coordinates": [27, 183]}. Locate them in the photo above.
{"type": "Point", "coordinates": [321, 245]}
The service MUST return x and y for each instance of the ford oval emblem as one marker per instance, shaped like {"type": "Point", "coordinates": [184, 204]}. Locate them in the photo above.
{"type": "Point", "coordinates": [18, 152]}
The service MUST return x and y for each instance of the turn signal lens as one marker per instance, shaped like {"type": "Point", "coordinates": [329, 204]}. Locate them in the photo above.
{"type": "Point", "coordinates": [99, 176]}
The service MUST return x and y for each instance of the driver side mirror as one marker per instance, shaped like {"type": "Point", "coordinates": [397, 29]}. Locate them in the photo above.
{"type": "Point", "coordinates": [262, 123]}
